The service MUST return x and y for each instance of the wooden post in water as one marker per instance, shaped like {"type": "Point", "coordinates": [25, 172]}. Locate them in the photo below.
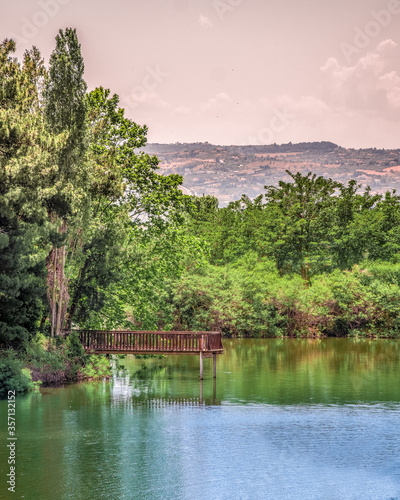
{"type": "Point", "coordinates": [201, 365]}
{"type": "Point", "coordinates": [215, 365]}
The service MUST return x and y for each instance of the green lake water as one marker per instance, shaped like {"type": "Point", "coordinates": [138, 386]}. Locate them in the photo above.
{"type": "Point", "coordinates": [285, 419]}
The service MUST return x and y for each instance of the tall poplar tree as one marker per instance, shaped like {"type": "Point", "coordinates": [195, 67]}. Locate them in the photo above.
{"type": "Point", "coordinates": [66, 113]}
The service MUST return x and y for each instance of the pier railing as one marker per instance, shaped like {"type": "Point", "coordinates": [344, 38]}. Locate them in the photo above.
{"type": "Point", "coordinates": [149, 342]}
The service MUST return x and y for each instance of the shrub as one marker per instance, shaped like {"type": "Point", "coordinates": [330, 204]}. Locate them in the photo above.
{"type": "Point", "coordinates": [74, 347]}
{"type": "Point", "coordinates": [250, 298]}
{"type": "Point", "coordinates": [13, 377]}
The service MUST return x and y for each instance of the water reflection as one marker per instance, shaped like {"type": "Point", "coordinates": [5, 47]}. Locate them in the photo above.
{"type": "Point", "coordinates": [148, 383]}
{"type": "Point", "coordinates": [284, 372]}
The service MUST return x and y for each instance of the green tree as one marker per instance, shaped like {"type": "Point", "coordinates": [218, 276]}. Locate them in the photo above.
{"type": "Point", "coordinates": [26, 167]}
{"type": "Point", "coordinates": [128, 199]}
{"type": "Point", "coordinates": [66, 113]}
{"type": "Point", "coordinates": [302, 221]}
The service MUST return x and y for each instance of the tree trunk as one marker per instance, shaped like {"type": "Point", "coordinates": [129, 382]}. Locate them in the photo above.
{"type": "Point", "coordinates": [53, 305]}
{"type": "Point", "coordinates": [61, 294]}
{"type": "Point", "coordinates": [76, 296]}
{"type": "Point", "coordinates": [305, 274]}
{"type": "Point", "coordinates": [57, 293]}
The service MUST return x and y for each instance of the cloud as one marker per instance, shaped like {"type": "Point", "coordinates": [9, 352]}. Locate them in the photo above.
{"type": "Point", "coordinates": [390, 83]}
{"type": "Point", "coordinates": [154, 99]}
{"type": "Point", "coordinates": [145, 100]}
{"type": "Point", "coordinates": [181, 110]}
{"type": "Point", "coordinates": [311, 105]}
{"type": "Point", "coordinates": [371, 84]}
{"type": "Point", "coordinates": [205, 22]}
{"type": "Point", "coordinates": [219, 102]}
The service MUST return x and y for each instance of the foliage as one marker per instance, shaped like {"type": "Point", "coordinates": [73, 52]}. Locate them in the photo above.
{"type": "Point", "coordinates": [26, 167]}
{"type": "Point", "coordinates": [22, 283]}
{"type": "Point", "coordinates": [13, 377]}
{"type": "Point", "coordinates": [129, 200]}
{"type": "Point", "coordinates": [308, 226]}
{"type": "Point", "coordinates": [62, 360]}
{"type": "Point", "coordinates": [74, 348]}
{"type": "Point", "coordinates": [76, 198]}
{"type": "Point", "coordinates": [252, 299]}
{"type": "Point", "coordinates": [64, 108]}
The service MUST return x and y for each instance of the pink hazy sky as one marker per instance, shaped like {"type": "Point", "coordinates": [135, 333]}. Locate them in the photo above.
{"type": "Point", "coordinates": [235, 71]}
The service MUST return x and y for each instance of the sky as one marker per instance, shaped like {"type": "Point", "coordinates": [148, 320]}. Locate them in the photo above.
{"type": "Point", "coordinates": [234, 71]}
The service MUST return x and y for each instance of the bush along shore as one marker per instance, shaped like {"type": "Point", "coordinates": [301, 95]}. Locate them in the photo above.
{"type": "Point", "coordinates": [49, 362]}
{"type": "Point", "coordinates": [251, 299]}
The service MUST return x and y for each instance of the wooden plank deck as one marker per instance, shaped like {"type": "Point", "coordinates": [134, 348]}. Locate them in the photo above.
{"type": "Point", "coordinates": [151, 342]}
{"type": "Point", "coordinates": [204, 344]}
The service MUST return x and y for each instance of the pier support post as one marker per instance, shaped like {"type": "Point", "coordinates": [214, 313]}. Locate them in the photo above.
{"type": "Point", "coordinates": [201, 365]}
{"type": "Point", "coordinates": [214, 365]}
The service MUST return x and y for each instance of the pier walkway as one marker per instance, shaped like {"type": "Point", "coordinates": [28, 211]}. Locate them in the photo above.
{"type": "Point", "coordinates": [204, 344]}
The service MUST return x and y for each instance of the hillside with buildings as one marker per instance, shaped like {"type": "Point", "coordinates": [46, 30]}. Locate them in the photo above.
{"type": "Point", "coordinates": [227, 172]}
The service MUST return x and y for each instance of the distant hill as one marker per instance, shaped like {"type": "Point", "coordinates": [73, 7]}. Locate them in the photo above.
{"type": "Point", "coordinates": [272, 148]}
{"type": "Point", "coordinates": [227, 172]}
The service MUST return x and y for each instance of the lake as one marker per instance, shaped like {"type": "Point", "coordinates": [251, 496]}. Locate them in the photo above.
{"type": "Point", "coordinates": [285, 419]}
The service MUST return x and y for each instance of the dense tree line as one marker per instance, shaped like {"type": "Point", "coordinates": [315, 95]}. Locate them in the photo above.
{"type": "Point", "coordinates": [307, 257]}
{"type": "Point", "coordinates": [307, 226]}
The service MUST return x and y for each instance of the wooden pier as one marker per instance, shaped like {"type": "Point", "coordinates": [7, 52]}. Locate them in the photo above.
{"type": "Point", "coordinates": [204, 344]}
